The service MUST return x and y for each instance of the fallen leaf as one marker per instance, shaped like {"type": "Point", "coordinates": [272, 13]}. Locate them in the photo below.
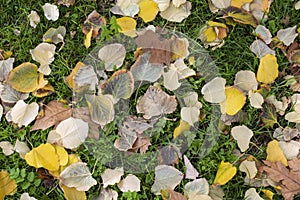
{"type": "Point", "coordinates": [263, 33]}
{"type": "Point", "coordinates": [275, 153]}
{"type": "Point", "coordinates": [165, 177]}
{"type": "Point", "coordinates": [23, 114]}
{"type": "Point", "coordinates": [5, 67]}
{"type": "Point", "coordinates": [21, 148]}
{"type": "Point", "coordinates": [169, 194]}
{"type": "Point", "coordinates": [156, 102]}
{"type": "Point", "coordinates": [240, 15]}
{"type": "Point", "coordinates": [242, 134]}
{"type": "Point", "coordinates": [112, 176]}
{"type": "Point", "coordinates": [286, 134]}
{"type": "Point", "coordinates": [88, 39]}
{"type": "Point", "coordinates": [268, 69]}
{"type": "Point", "coordinates": [191, 100]}
{"type": "Point", "coordinates": [174, 14]}
{"type": "Point", "coordinates": [67, 3]}
{"type": "Point", "coordinates": [54, 113]}
{"type": "Point", "coordinates": [183, 126]}
{"type": "Point", "coordinates": [148, 10]}
{"type": "Point", "coordinates": [43, 156]}
{"type": "Point", "coordinates": [127, 139]}
{"type": "Point", "coordinates": [256, 99]}
{"type": "Point", "coordinates": [143, 70]}
{"type": "Point", "coordinates": [191, 172]}
{"type": "Point", "coordinates": [112, 55]}
{"type": "Point", "coordinates": [107, 194]}
{"type": "Point", "coordinates": [288, 35]}
{"type": "Point", "coordinates": [239, 3]}
{"type": "Point", "coordinates": [10, 95]}
{"type": "Point", "coordinates": [280, 106]}
{"type": "Point", "coordinates": [260, 49]}
{"type": "Point", "coordinates": [127, 26]}
{"type": "Point", "coordinates": [126, 8]}
{"type": "Point", "coordinates": [251, 194]}
{"type": "Point", "coordinates": [70, 79]}
{"type": "Point", "coordinates": [245, 80]}
{"type": "Point", "coordinates": [196, 187]}
{"type": "Point", "coordinates": [179, 48]}
{"type": "Point", "coordinates": [297, 5]}
{"type": "Point", "coordinates": [269, 116]}
{"type": "Point", "coordinates": [221, 4]}
{"type": "Point", "coordinates": [55, 35]}
{"type": "Point", "coordinates": [235, 100]}
{"type": "Point", "coordinates": [190, 115]}
{"type": "Point", "coordinates": [51, 11]}
{"type": "Point", "coordinates": [44, 54]}
{"type": "Point", "coordinates": [216, 193]}
{"type": "Point", "coordinates": [129, 184]}
{"type": "Point", "coordinates": [26, 71]}
{"type": "Point", "coordinates": [70, 133]}
{"type": "Point", "coordinates": [142, 144]}
{"type": "Point", "coordinates": [25, 196]}
{"type": "Point", "coordinates": [162, 4]}
{"type": "Point", "coordinates": [178, 3]}
{"type": "Point", "coordinates": [85, 75]}
{"type": "Point", "coordinates": [226, 171]}
{"type": "Point", "coordinates": [34, 18]}
{"type": "Point", "coordinates": [214, 90]}
{"type": "Point", "coordinates": [249, 167]}
{"type": "Point", "coordinates": [169, 155]}
{"type": "Point", "coordinates": [7, 148]}
{"type": "Point", "coordinates": [93, 24]}
{"type": "Point", "coordinates": [71, 193]}
{"type": "Point", "coordinates": [78, 176]}
{"type": "Point", "coordinates": [290, 149]}
{"type": "Point", "coordinates": [8, 186]}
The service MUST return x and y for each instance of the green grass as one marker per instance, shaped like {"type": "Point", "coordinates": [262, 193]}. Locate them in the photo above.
{"type": "Point", "coordinates": [232, 57]}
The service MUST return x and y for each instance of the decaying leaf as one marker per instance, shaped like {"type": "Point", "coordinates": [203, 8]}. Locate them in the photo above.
{"type": "Point", "coordinates": [71, 193]}
{"type": "Point", "coordinates": [107, 194]}
{"type": "Point", "coordinates": [66, 2]}
{"type": "Point", "coordinates": [177, 14]}
{"type": "Point", "coordinates": [249, 167]}
{"type": "Point", "coordinates": [25, 196]}
{"type": "Point", "coordinates": [179, 48]}
{"type": "Point", "coordinates": [269, 116]}
{"type": "Point", "coordinates": [148, 10]}
{"type": "Point", "coordinates": [156, 102]}
{"type": "Point", "coordinates": [245, 80]}
{"type": "Point", "coordinates": [251, 194]}
{"type": "Point", "coordinates": [235, 100]}
{"type": "Point", "coordinates": [129, 184]}
{"type": "Point", "coordinates": [260, 49]}
{"type": "Point", "coordinates": [191, 172]}
{"type": "Point", "coordinates": [196, 187]}
{"type": "Point", "coordinates": [288, 35]}
{"type": "Point", "coordinates": [214, 90]}
{"type": "Point", "coordinates": [166, 177]}
{"type": "Point", "coordinates": [169, 155]}
{"type": "Point", "coordinates": [111, 176]}
{"type": "Point", "coordinates": [127, 26]}
{"type": "Point", "coordinates": [21, 148]}
{"type": "Point", "coordinates": [77, 175]}
{"type": "Point", "coordinates": [7, 148]}
{"type": "Point", "coordinates": [70, 133]}
{"type": "Point", "coordinates": [55, 35]}
{"type": "Point", "coordinates": [263, 33]}
{"type": "Point", "coordinates": [275, 153]}
{"type": "Point", "coordinates": [126, 8]}
{"type": "Point", "coordinates": [10, 95]}
{"type": "Point", "coordinates": [169, 194]}
{"type": "Point", "coordinates": [34, 18]}
{"type": "Point", "coordinates": [8, 186]}
{"type": "Point", "coordinates": [225, 173]}
{"type": "Point", "coordinates": [127, 139]}
{"type": "Point", "coordinates": [290, 149]}
{"type": "Point", "coordinates": [51, 11]}
{"type": "Point", "coordinates": [242, 134]}
{"type": "Point", "coordinates": [213, 34]}
{"type": "Point", "coordinates": [93, 24]}
{"type": "Point", "coordinates": [5, 67]}
{"type": "Point", "coordinates": [240, 15]}
{"type": "Point", "coordinates": [23, 114]}
{"type": "Point", "coordinates": [85, 75]}
{"type": "Point", "coordinates": [256, 99]}
{"type": "Point", "coordinates": [112, 55]}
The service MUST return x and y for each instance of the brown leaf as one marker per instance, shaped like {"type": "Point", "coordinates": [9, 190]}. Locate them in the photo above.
{"type": "Point", "coordinates": [287, 177]}
{"type": "Point", "coordinates": [94, 21]}
{"type": "Point", "coordinates": [169, 194]}
{"type": "Point", "coordinates": [142, 144]}
{"type": "Point", "coordinates": [159, 48]}
{"type": "Point", "coordinates": [66, 2]}
{"type": "Point", "coordinates": [169, 155]}
{"type": "Point", "coordinates": [55, 112]}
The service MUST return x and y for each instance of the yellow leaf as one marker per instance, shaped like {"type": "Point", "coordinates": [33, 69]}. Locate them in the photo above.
{"type": "Point", "coordinates": [268, 69]}
{"type": "Point", "coordinates": [268, 194]}
{"type": "Point", "coordinates": [62, 155]}
{"type": "Point", "coordinates": [183, 126]}
{"type": "Point", "coordinates": [8, 186]}
{"type": "Point", "coordinates": [70, 79]}
{"type": "Point", "coordinates": [24, 78]}
{"type": "Point", "coordinates": [127, 25]}
{"type": "Point", "coordinates": [148, 10]}
{"type": "Point", "coordinates": [239, 3]}
{"type": "Point", "coordinates": [216, 24]}
{"type": "Point", "coordinates": [87, 41]}
{"type": "Point", "coordinates": [43, 156]}
{"type": "Point", "coordinates": [225, 173]}
{"type": "Point", "coordinates": [241, 16]}
{"type": "Point", "coordinates": [274, 153]}
{"type": "Point", "coordinates": [235, 100]}
{"type": "Point", "coordinates": [210, 34]}
{"type": "Point", "coordinates": [73, 194]}
{"type": "Point", "coordinates": [44, 91]}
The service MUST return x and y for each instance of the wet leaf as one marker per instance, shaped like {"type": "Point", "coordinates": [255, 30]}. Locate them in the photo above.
{"type": "Point", "coordinates": [51, 11]}
{"type": "Point", "coordinates": [23, 114]}
{"type": "Point", "coordinates": [242, 134]}
{"type": "Point", "coordinates": [113, 55]}
{"type": "Point", "coordinates": [127, 25]}
{"type": "Point", "coordinates": [72, 193]}
{"type": "Point", "coordinates": [245, 80]}
{"type": "Point", "coordinates": [260, 49]}
{"type": "Point", "coordinates": [130, 184]}
{"type": "Point", "coordinates": [112, 176]}
{"type": "Point", "coordinates": [174, 14]}
{"type": "Point", "coordinates": [148, 10]}
{"type": "Point", "coordinates": [8, 186]}
{"type": "Point", "coordinates": [274, 153]}
{"type": "Point", "coordinates": [78, 176]}
{"type": "Point", "coordinates": [214, 90]}
{"type": "Point", "coordinates": [34, 18]}
{"type": "Point", "coordinates": [288, 35]}
{"type": "Point", "coordinates": [5, 67]}
{"type": "Point", "coordinates": [235, 100]}
{"type": "Point", "coordinates": [225, 173]}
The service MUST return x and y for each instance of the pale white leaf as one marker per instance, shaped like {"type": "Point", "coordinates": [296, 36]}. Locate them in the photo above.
{"type": "Point", "coordinates": [297, 5]}
{"type": "Point", "coordinates": [249, 167]}
{"type": "Point", "coordinates": [293, 117]}
{"type": "Point", "coordinates": [221, 4]}
{"type": "Point", "coordinates": [162, 4]}
{"type": "Point", "coordinates": [190, 115]}
{"type": "Point", "coordinates": [290, 149]}
{"type": "Point", "coordinates": [34, 18]}
{"type": "Point", "coordinates": [246, 80]}
{"type": "Point", "coordinates": [5, 67]}
{"type": "Point", "coordinates": [166, 177]}
{"type": "Point", "coordinates": [183, 70]}
{"type": "Point", "coordinates": [171, 78]}
{"type": "Point", "coordinates": [77, 175]}
{"type": "Point", "coordinates": [251, 194]}
{"type": "Point", "coordinates": [130, 184]}
{"type": "Point", "coordinates": [201, 197]}
{"type": "Point", "coordinates": [191, 100]}
{"type": "Point", "coordinates": [86, 75]}
{"type": "Point", "coordinates": [260, 49]}
{"type": "Point", "coordinates": [196, 187]}
{"type": "Point", "coordinates": [280, 106]}
{"type": "Point", "coordinates": [214, 90]}
{"type": "Point", "coordinates": [264, 34]}
{"type": "Point", "coordinates": [174, 14]}
{"type": "Point", "coordinates": [112, 176]}
{"type": "Point", "coordinates": [126, 8]}
{"type": "Point", "coordinates": [70, 133]}
{"type": "Point", "coordinates": [242, 134]}
{"type": "Point", "coordinates": [10, 95]}
{"type": "Point", "coordinates": [288, 35]}
{"type": "Point", "coordinates": [256, 99]}
{"type": "Point", "coordinates": [295, 99]}
{"type": "Point", "coordinates": [21, 148]}
{"type": "Point", "coordinates": [107, 194]}
{"type": "Point", "coordinates": [112, 55]}
{"type": "Point", "coordinates": [23, 114]}
{"type": "Point", "coordinates": [51, 11]}
{"type": "Point", "coordinates": [191, 172]}
{"type": "Point", "coordinates": [7, 148]}
{"type": "Point", "coordinates": [128, 138]}
{"type": "Point", "coordinates": [178, 3]}
{"type": "Point", "coordinates": [44, 54]}
{"type": "Point", "coordinates": [25, 196]}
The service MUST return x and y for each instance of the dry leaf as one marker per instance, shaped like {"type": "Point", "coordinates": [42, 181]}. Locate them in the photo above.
{"type": "Point", "coordinates": [10, 95]}
{"type": "Point", "coordinates": [165, 177]}
{"type": "Point", "coordinates": [260, 49]}
{"type": "Point", "coordinates": [275, 153]}
{"type": "Point", "coordinates": [66, 2]}
{"type": "Point", "coordinates": [240, 15]}
{"type": "Point", "coordinates": [288, 35]}
{"type": "Point", "coordinates": [179, 48]}
{"type": "Point", "coordinates": [178, 3]}
{"type": "Point", "coordinates": [196, 187]}
{"type": "Point", "coordinates": [214, 90]}
{"type": "Point", "coordinates": [51, 11]}
{"type": "Point", "coordinates": [191, 172]}
{"type": "Point", "coordinates": [8, 186]}
{"type": "Point", "coordinates": [256, 99]}
{"type": "Point", "coordinates": [297, 5]}
{"type": "Point", "coordinates": [263, 33]}
{"type": "Point", "coordinates": [148, 10]}
{"type": "Point", "coordinates": [77, 175]}
{"type": "Point", "coordinates": [23, 114]}
{"type": "Point", "coordinates": [245, 80]}
{"type": "Point", "coordinates": [112, 55]}
{"type": "Point", "coordinates": [72, 193]}
{"type": "Point", "coordinates": [25, 196]}
{"type": "Point", "coordinates": [34, 18]}
{"type": "Point", "coordinates": [55, 35]}
{"type": "Point", "coordinates": [174, 14]}
{"type": "Point", "coordinates": [251, 194]}
{"type": "Point", "coordinates": [5, 67]}
{"type": "Point", "coordinates": [290, 149]}
{"type": "Point", "coordinates": [127, 25]}
{"type": "Point", "coordinates": [190, 115]}
{"type": "Point", "coordinates": [242, 134]}
{"type": "Point", "coordinates": [21, 148]}
{"type": "Point", "coordinates": [268, 69]}
{"type": "Point", "coordinates": [225, 173]}
{"type": "Point", "coordinates": [280, 106]}
{"type": "Point", "coordinates": [88, 39]}
{"type": "Point", "coordinates": [126, 8]}
{"type": "Point", "coordinates": [191, 100]}
{"type": "Point", "coordinates": [216, 193]}
{"type": "Point", "coordinates": [85, 75]}
{"type": "Point", "coordinates": [249, 167]}
{"type": "Point", "coordinates": [130, 184]}
{"type": "Point", "coordinates": [93, 24]}
{"type": "Point", "coordinates": [235, 100]}
{"type": "Point", "coordinates": [70, 133]}
{"type": "Point", "coordinates": [269, 116]}
{"type": "Point", "coordinates": [54, 113]}
{"type": "Point", "coordinates": [127, 139]}
{"type": "Point", "coordinates": [156, 102]}
{"type": "Point", "coordinates": [183, 126]}
{"type": "Point", "coordinates": [112, 176]}
{"type": "Point", "coordinates": [107, 194]}
{"type": "Point", "coordinates": [169, 155]}
{"type": "Point", "coordinates": [221, 4]}
{"type": "Point", "coordinates": [169, 194]}
{"type": "Point", "coordinates": [162, 4]}
{"type": "Point", "coordinates": [7, 148]}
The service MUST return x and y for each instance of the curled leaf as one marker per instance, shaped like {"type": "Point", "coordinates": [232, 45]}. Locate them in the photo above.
{"type": "Point", "coordinates": [34, 18]}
